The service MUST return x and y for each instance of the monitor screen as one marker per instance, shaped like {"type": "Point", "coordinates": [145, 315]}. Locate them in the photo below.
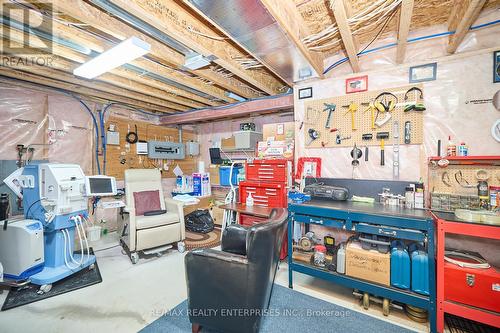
{"type": "Point", "coordinates": [215, 157]}
{"type": "Point", "coordinates": [100, 185]}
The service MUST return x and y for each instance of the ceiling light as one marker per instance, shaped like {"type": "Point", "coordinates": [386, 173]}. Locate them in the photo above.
{"type": "Point", "coordinates": [196, 61]}
{"type": "Point", "coordinates": [122, 53]}
{"type": "Point", "coordinates": [234, 96]}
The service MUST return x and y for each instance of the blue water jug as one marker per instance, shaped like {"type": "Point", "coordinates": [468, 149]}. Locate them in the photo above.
{"type": "Point", "coordinates": [400, 265]}
{"type": "Point", "coordinates": [420, 272]}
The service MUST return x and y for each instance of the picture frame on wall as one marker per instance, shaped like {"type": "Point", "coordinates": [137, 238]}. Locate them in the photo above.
{"type": "Point", "coordinates": [305, 93]}
{"type": "Point", "coordinates": [423, 73]}
{"type": "Point", "coordinates": [496, 66]}
{"type": "Point", "coordinates": [356, 84]}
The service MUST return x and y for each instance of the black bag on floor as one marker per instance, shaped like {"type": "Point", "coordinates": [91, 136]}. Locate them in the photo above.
{"type": "Point", "coordinates": [199, 221]}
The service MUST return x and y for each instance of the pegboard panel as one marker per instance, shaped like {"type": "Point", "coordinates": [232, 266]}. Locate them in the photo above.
{"type": "Point", "coordinates": [438, 177]}
{"type": "Point", "coordinates": [316, 115]}
{"type": "Point", "coordinates": [146, 131]}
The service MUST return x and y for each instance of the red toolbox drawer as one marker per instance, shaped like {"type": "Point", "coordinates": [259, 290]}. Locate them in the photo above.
{"type": "Point", "coordinates": [472, 286]}
{"type": "Point", "coordinates": [279, 170]}
{"type": "Point", "coordinates": [264, 194]}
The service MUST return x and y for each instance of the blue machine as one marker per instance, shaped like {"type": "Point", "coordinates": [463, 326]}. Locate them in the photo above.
{"type": "Point", "coordinates": [400, 265]}
{"type": "Point", "coordinates": [54, 194]}
{"type": "Point", "coordinates": [419, 269]}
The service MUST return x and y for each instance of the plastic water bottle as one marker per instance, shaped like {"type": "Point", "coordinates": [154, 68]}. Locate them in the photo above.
{"type": "Point", "coordinates": [249, 200]}
{"type": "Point", "coordinates": [341, 259]}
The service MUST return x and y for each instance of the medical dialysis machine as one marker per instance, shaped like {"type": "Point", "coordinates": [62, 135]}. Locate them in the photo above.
{"type": "Point", "coordinates": [40, 247]}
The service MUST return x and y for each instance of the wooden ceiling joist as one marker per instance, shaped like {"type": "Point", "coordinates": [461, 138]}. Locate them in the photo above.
{"type": "Point", "coordinates": [158, 15]}
{"type": "Point", "coordinates": [119, 76]}
{"type": "Point", "coordinates": [292, 23]}
{"type": "Point", "coordinates": [47, 78]}
{"type": "Point", "coordinates": [404, 29]}
{"type": "Point", "coordinates": [62, 31]}
{"type": "Point", "coordinates": [461, 20]}
{"type": "Point", "coordinates": [339, 12]}
{"type": "Point", "coordinates": [104, 22]}
{"type": "Point", "coordinates": [59, 69]}
{"type": "Point", "coordinates": [258, 106]}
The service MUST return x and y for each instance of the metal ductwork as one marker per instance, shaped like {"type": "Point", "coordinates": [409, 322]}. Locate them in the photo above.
{"type": "Point", "coordinates": [250, 24]}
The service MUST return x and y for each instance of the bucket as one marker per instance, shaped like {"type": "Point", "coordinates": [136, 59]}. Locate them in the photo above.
{"type": "Point", "coordinates": [94, 233]}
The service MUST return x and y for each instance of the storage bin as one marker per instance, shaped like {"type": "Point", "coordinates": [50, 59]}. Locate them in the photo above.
{"type": "Point", "coordinates": [247, 139]}
{"type": "Point", "coordinates": [400, 266]}
{"type": "Point", "coordinates": [224, 172]}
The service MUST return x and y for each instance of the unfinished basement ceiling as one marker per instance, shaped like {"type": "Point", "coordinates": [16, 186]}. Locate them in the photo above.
{"type": "Point", "coordinates": [256, 47]}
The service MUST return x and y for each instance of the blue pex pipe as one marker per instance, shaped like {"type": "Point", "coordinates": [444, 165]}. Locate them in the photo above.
{"type": "Point", "coordinates": [410, 40]}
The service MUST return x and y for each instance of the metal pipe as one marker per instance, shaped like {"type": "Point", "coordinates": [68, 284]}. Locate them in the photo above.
{"type": "Point", "coordinates": [180, 133]}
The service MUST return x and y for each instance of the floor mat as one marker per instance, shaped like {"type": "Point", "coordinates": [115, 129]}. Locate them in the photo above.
{"type": "Point", "coordinates": [461, 325]}
{"type": "Point", "coordinates": [82, 279]}
{"type": "Point", "coordinates": [195, 240]}
{"type": "Point", "coordinates": [289, 311]}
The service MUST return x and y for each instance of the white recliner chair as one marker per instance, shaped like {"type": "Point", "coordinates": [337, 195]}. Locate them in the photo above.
{"type": "Point", "coordinates": [151, 232]}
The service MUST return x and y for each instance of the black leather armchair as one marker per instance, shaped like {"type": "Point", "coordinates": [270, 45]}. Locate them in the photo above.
{"type": "Point", "coordinates": [229, 290]}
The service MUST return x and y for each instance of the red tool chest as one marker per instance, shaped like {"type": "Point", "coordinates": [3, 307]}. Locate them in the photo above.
{"type": "Point", "coordinates": [472, 286]}
{"type": "Point", "coordinates": [264, 194]}
{"type": "Point", "coordinates": [278, 170]}
{"type": "Point", "coordinates": [267, 180]}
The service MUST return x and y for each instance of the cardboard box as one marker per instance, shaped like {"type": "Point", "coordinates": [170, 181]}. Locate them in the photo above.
{"type": "Point", "coordinates": [213, 170]}
{"type": "Point", "coordinates": [217, 214]}
{"type": "Point", "coordinates": [229, 143]}
{"type": "Point", "coordinates": [368, 265]}
{"type": "Point", "coordinates": [279, 131]}
{"type": "Point", "coordinates": [203, 204]}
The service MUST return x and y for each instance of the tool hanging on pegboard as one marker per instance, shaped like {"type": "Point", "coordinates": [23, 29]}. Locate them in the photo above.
{"type": "Point", "coordinates": [379, 110]}
{"type": "Point", "coordinates": [313, 135]}
{"type": "Point", "coordinates": [330, 107]}
{"type": "Point", "coordinates": [371, 107]}
{"type": "Point", "coordinates": [352, 108]}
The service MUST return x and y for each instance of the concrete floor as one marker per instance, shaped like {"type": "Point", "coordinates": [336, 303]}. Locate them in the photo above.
{"type": "Point", "coordinates": [132, 296]}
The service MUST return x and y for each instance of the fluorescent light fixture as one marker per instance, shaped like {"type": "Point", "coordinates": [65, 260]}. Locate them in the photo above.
{"type": "Point", "coordinates": [122, 53]}
{"type": "Point", "coordinates": [234, 96]}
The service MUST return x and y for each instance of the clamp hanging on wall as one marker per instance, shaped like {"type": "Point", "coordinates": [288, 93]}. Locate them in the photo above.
{"type": "Point", "coordinates": [132, 137]}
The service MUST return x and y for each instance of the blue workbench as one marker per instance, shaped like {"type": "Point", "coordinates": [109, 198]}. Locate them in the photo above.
{"type": "Point", "coordinates": [391, 221]}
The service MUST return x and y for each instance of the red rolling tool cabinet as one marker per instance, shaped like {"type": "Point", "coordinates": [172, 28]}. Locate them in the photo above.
{"type": "Point", "coordinates": [465, 292]}
{"type": "Point", "coordinates": [268, 182]}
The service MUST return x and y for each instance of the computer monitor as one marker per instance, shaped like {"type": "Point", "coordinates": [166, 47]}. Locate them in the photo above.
{"type": "Point", "coordinates": [215, 157]}
{"type": "Point", "coordinates": [100, 186]}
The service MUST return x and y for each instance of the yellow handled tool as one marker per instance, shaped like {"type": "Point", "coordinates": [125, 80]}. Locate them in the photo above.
{"type": "Point", "coordinates": [351, 108]}
{"type": "Point", "coordinates": [371, 107]}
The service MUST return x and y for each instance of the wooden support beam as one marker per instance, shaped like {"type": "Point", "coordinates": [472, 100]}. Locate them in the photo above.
{"type": "Point", "coordinates": [339, 12]}
{"type": "Point", "coordinates": [462, 22]}
{"type": "Point", "coordinates": [173, 20]}
{"type": "Point", "coordinates": [259, 106]}
{"type": "Point", "coordinates": [290, 20]}
{"type": "Point", "coordinates": [404, 29]}
{"type": "Point", "coordinates": [45, 78]}
{"type": "Point", "coordinates": [94, 44]}
{"type": "Point", "coordinates": [104, 22]}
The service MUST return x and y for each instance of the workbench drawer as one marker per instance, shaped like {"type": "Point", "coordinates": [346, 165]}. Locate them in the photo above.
{"type": "Point", "coordinates": [400, 233]}
{"type": "Point", "coordinates": [319, 220]}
